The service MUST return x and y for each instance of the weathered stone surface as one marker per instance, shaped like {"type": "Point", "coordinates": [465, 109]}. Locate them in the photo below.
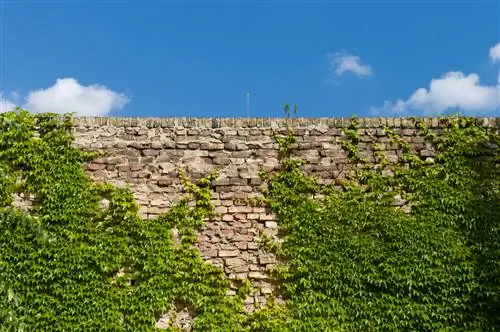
{"type": "Point", "coordinates": [271, 224]}
{"type": "Point", "coordinates": [145, 154]}
{"type": "Point", "coordinates": [236, 265]}
{"type": "Point", "coordinates": [180, 318]}
{"type": "Point", "coordinates": [257, 275]}
{"type": "Point", "coordinates": [229, 253]}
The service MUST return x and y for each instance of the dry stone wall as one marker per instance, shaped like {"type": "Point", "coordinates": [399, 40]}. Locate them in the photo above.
{"type": "Point", "coordinates": [144, 153]}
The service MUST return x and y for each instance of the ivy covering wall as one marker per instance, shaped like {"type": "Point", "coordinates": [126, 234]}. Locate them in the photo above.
{"type": "Point", "coordinates": [354, 262]}
{"type": "Point", "coordinates": [71, 264]}
{"type": "Point", "coordinates": [81, 259]}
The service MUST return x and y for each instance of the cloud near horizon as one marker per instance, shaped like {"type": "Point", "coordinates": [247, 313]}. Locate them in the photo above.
{"type": "Point", "coordinates": [6, 104]}
{"type": "Point", "coordinates": [495, 53]}
{"type": "Point", "coordinates": [453, 90]}
{"type": "Point", "coordinates": [67, 95]}
{"type": "Point", "coordinates": [341, 62]}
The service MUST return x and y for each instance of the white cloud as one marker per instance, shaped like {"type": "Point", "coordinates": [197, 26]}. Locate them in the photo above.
{"type": "Point", "coordinates": [495, 53]}
{"type": "Point", "coordinates": [67, 95]}
{"type": "Point", "coordinates": [453, 90]}
{"type": "Point", "coordinates": [341, 63]}
{"type": "Point", "coordinates": [6, 105]}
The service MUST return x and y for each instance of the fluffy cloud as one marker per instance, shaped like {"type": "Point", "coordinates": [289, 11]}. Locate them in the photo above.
{"type": "Point", "coordinates": [5, 104]}
{"type": "Point", "coordinates": [67, 95]}
{"type": "Point", "coordinates": [453, 90]}
{"type": "Point", "coordinates": [495, 53]}
{"type": "Point", "coordinates": [341, 63]}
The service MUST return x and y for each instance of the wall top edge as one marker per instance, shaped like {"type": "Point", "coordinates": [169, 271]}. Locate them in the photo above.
{"type": "Point", "coordinates": [264, 122]}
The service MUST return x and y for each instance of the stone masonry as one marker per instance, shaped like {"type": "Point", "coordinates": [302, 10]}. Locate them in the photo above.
{"type": "Point", "coordinates": [144, 153]}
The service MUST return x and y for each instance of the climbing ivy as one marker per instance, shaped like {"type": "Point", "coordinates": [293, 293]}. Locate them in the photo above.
{"type": "Point", "coordinates": [353, 260]}
{"type": "Point", "coordinates": [72, 264]}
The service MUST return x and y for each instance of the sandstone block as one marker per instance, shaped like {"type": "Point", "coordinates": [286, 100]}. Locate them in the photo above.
{"type": "Point", "coordinates": [228, 253]}
{"type": "Point", "coordinates": [271, 224]}
{"type": "Point", "coordinates": [236, 262]}
{"type": "Point", "coordinates": [257, 275]}
{"type": "Point", "coordinates": [266, 217]}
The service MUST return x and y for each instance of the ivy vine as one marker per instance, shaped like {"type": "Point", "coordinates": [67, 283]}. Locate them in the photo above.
{"type": "Point", "coordinates": [351, 259]}
{"type": "Point", "coordinates": [70, 264]}
{"type": "Point", "coordinates": [354, 261]}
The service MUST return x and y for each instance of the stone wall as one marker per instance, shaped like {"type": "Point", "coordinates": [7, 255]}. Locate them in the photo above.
{"type": "Point", "coordinates": [144, 152]}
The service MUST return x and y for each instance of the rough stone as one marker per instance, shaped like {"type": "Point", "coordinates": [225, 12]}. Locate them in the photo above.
{"type": "Point", "coordinates": [146, 154]}
{"type": "Point", "coordinates": [229, 253]}
{"type": "Point", "coordinates": [271, 224]}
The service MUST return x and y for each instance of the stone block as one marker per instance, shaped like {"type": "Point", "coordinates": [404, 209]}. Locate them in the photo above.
{"type": "Point", "coordinates": [271, 224]}
{"type": "Point", "coordinates": [229, 253]}
{"type": "Point", "coordinates": [257, 275]}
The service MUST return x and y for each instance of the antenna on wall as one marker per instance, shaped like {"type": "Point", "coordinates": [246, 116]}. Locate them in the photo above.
{"type": "Point", "coordinates": [248, 104]}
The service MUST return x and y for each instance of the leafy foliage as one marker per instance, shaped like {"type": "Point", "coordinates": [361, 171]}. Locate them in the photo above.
{"type": "Point", "coordinates": [353, 261]}
{"type": "Point", "coordinates": [70, 264]}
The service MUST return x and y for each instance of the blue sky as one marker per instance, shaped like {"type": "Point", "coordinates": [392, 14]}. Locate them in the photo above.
{"type": "Point", "coordinates": [200, 59]}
